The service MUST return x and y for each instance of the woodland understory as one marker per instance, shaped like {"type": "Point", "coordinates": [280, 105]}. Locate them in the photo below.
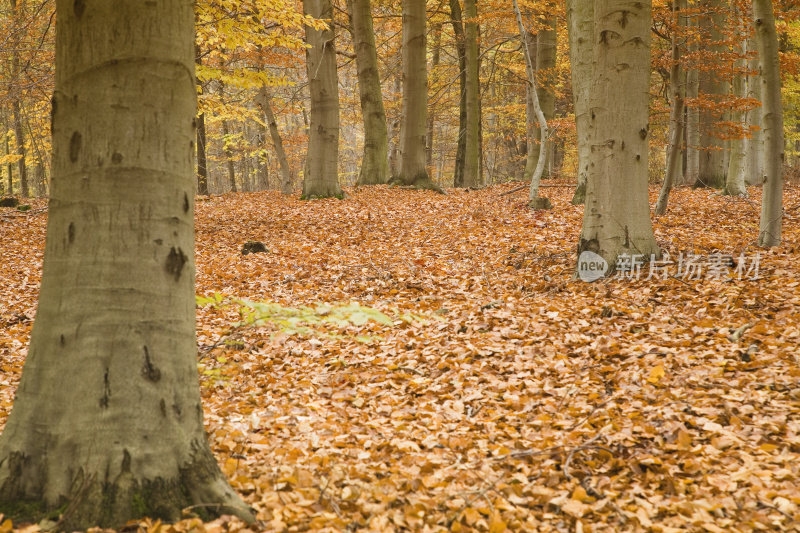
{"type": "Point", "coordinates": [501, 393]}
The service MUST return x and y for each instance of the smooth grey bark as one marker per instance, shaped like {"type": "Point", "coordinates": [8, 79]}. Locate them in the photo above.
{"type": "Point", "coordinates": [321, 174]}
{"type": "Point", "coordinates": [692, 119]}
{"type": "Point", "coordinates": [15, 103]}
{"type": "Point", "coordinates": [107, 424]}
{"type": "Point", "coordinates": [755, 144]}
{"type": "Point", "coordinates": [770, 226]}
{"type": "Point", "coordinates": [472, 143]}
{"type": "Point", "coordinates": [546, 48]}
{"type": "Point", "coordinates": [436, 54]}
{"type": "Point", "coordinates": [262, 158]}
{"type": "Point", "coordinates": [413, 172]}
{"type": "Point", "coordinates": [580, 26]}
{"type": "Point", "coordinates": [534, 200]}
{"type": "Point", "coordinates": [202, 160]}
{"type": "Point", "coordinates": [456, 21]}
{"type": "Point", "coordinates": [394, 133]}
{"type": "Point", "coordinates": [375, 161]}
{"type": "Point", "coordinates": [616, 218]}
{"type": "Point", "coordinates": [226, 145]}
{"type": "Point", "coordinates": [677, 88]}
{"type": "Point", "coordinates": [712, 169]}
{"type": "Point", "coordinates": [9, 167]}
{"type": "Point", "coordinates": [737, 163]}
{"type": "Point", "coordinates": [265, 101]}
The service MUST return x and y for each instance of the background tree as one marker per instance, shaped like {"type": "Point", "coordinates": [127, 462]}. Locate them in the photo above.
{"type": "Point", "coordinates": [375, 161]}
{"type": "Point", "coordinates": [580, 22]}
{"type": "Point", "coordinates": [769, 231]}
{"type": "Point", "coordinates": [107, 421]}
{"type": "Point", "coordinates": [321, 177]}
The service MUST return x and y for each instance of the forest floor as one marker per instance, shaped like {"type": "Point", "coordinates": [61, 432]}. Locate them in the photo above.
{"type": "Point", "coordinates": [477, 386]}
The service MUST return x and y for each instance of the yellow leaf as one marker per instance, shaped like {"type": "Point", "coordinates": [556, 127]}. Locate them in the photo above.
{"type": "Point", "coordinates": [580, 494]}
{"type": "Point", "coordinates": [497, 525]}
{"type": "Point", "coordinates": [656, 374]}
{"type": "Point", "coordinates": [766, 447]}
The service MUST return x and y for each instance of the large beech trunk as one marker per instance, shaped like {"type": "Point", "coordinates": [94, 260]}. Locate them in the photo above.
{"type": "Point", "coordinates": [321, 176]}
{"type": "Point", "coordinates": [616, 218]}
{"type": "Point", "coordinates": [375, 161]}
{"type": "Point", "coordinates": [472, 146]}
{"type": "Point", "coordinates": [769, 232]}
{"type": "Point", "coordinates": [107, 425]}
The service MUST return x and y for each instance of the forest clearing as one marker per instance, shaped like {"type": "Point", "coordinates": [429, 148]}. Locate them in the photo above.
{"type": "Point", "coordinates": [501, 394]}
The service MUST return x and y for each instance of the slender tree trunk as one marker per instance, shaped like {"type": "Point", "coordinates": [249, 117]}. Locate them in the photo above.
{"type": "Point", "coordinates": [769, 233]}
{"type": "Point", "coordinates": [712, 157]}
{"type": "Point", "coordinates": [375, 162]}
{"type": "Point", "coordinates": [226, 141]}
{"type": "Point", "coordinates": [15, 102]}
{"type": "Point", "coordinates": [265, 102]}
{"type": "Point", "coordinates": [692, 120]}
{"type": "Point", "coordinates": [202, 162]}
{"type": "Point", "coordinates": [580, 23]}
{"type": "Point", "coordinates": [107, 424]}
{"type": "Point", "coordinates": [9, 167]}
{"type": "Point", "coordinates": [321, 175]}
{"type": "Point", "coordinates": [545, 45]}
{"type": "Point", "coordinates": [461, 53]}
{"type": "Point", "coordinates": [22, 165]}
{"type": "Point", "coordinates": [472, 154]}
{"type": "Point", "coordinates": [677, 88]}
{"type": "Point", "coordinates": [394, 134]}
{"type": "Point", "coordinates": [755, 144]}
{"type": "Point", "coordinates": [262, 158]}
{"type": "Point", "coordinates": [616, 218]}
{"type": "Point", "coordinates": [534, 200]}
{"type": "Point", "coordinates": [436, 53]}
{"type": "Point", "coordinates": [737, 164]}
{"type": "Point", "coordinates": [413, 172]}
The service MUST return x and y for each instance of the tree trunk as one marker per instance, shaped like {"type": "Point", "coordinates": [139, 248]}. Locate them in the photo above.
{"type": "Point", "coordinates": [616, 218]}
{"type": "Point", "coordinates": [692, 119]}
{"type": "Point", "coordinates": [9, 166]}
{"type": "Point", "coordinates": [472, 154]}
{"type": "Point", "coordinates": [534, 200]}
{"type": "Point", "coordinates": [375, 162]}
{"type": "Point", "coordinates": [265, 102]}
{"type": "Point", "coordinates": [413, 172]}
{"type": "Point", "coordinates": [461, 52]}
{"type": "Point", "coordinates": [226, 142]}
{"type": "Point", "coordinates": [20, 137]}
{"type": "Point", "coordinates": [436, 54]}
{"type": "Point", "coordinates": [546, 46]}
{"type": "Point", "coordinates": [677, 88]}
{"type": "Point", "coordinates": [580, 23]}
{"type": "Point", "coordinates": [262, 158]}
{"type": "Point", "coordinates": [769, 233]}
{"type": "Point", "coordinates": [737, 164]}
{"type": "Point", "coordinates": [202, 162]}
{"type": "Point", "coordinates": [712, 156]}
{"type": "Point", "coordinates": [107, 422]}
{"type": "Point", "coordinates": [321, 175]}
{"type": "Point", "coordinates": [755, 144]}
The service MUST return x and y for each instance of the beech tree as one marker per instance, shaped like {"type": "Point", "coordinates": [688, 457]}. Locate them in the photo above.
{"type": "Point", "coordinates": [616, 217]}
{"type": "Point", "coordinates": [472, 144]}
{"type": "Point", "coordinates": [413, 171]}
{"type": "Point", "coordinates": [769, 232]}
{"type": "Point", "coordinates": [375, 162]}
{"type": "Point", "coordinates": [321, 175]}
{"type": "Point", "coordinates": [107, 423]}
{"type": "Point", "coordinates": [580, 26]}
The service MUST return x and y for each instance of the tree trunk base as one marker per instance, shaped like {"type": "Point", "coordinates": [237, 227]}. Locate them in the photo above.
{"type": "Point", "coordinates": [94, 500]}
{"type": "Point", "coordinates": [420, 181]}
{"type": "Point", "coordinates": [540, 203]}
{"type": "Point", "coordinates": [580, 194]}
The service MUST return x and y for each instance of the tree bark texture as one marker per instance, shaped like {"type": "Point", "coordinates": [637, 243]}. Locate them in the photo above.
{"type": "Point", "coordinates": [321, 175]}
{"type": "Point", "coordinates": [413, 172]}
{"type": "Point", "coordinates": [107, 425]}
{"type": "Point", "coordinates": [769, 233]}
{"type": "Point", "coordinates": [202, 161]}
{"type": "Point", "coordinates": [375, 161]}
{"type": "Point", "coordinates": [580, 25]}
{"type": "Point", "coordinates": [456, 19]}
{"type": "Point", "coordinates": [472, 154]}
{"type": "Point", "coordinates": [616, 217]}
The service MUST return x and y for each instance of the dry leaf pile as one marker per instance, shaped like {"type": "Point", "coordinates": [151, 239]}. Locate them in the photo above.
{"type": "Point", "coordinates": [493, 392]}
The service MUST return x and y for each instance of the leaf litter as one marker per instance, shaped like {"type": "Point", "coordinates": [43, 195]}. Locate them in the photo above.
{"type": "Point", "coordinates": [405, 361]}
